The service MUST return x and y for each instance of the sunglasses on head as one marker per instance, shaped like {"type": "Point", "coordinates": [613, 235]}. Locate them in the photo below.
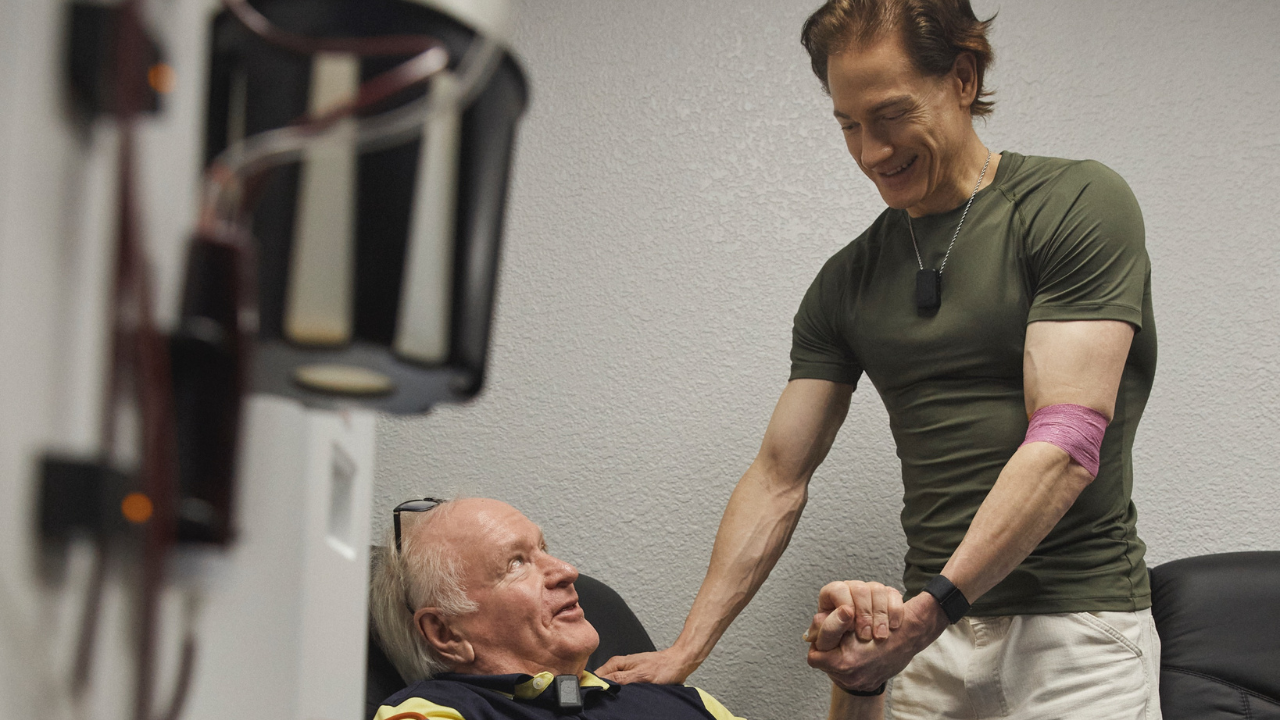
{"type": "Point", "coordinates": [414, 506]}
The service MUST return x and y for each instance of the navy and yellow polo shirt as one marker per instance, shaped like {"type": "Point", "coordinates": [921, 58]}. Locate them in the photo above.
{"type": "Point", "coordinates": [524, 697]}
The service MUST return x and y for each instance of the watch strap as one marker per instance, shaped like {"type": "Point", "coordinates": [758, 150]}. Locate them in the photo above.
{"type": "Point", "coordinates": [869, 693]}
{"type": "Point", "coordinates": [953, 602]}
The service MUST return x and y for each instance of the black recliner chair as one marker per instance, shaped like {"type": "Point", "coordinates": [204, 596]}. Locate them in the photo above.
{"type": "Point", "coordinates": [1218, 617]}
{"type": "Point", "coordinates": [620, 634]}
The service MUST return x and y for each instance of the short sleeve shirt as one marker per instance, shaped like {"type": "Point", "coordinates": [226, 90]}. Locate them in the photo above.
{"type": "Point", "coordinates": [1049, 239]}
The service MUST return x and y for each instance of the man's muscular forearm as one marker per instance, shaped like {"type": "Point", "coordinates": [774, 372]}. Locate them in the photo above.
{"type": "Point", "coordinates": [755, 530]}
{"type": "Point", "coordinates": [764, 509]}
{"type": "Point", "coordinates": [1036, 488]}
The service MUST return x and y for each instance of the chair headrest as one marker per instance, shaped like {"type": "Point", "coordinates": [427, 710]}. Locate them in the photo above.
{"type": "Point", "coordinates": [1219, 615]}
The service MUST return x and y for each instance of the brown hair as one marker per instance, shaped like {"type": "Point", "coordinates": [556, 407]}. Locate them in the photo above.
{"type": "Point", "coordinates": [935, 33]}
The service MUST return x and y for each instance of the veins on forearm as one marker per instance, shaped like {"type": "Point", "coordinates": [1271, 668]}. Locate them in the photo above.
{"type": "Point", "coordinates": [1033, 492]}
{"type": "Point", "coordinates": [755, 531]}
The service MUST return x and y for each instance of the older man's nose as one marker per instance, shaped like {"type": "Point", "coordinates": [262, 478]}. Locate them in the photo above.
{"type": "Point", "coordinates": [561, 573]}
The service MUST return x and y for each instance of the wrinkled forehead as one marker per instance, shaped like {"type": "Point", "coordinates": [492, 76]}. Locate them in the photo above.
{"type": "Point", "coordinates": [478, 529]}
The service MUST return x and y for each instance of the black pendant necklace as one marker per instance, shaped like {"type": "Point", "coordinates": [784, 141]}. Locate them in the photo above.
{"type": "Point", "coordinates": [928, 290]}
{"type": "Point", "coordinates": [928, 280]}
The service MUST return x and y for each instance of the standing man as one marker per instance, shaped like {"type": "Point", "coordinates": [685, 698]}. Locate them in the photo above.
{"type": "Point", "coordinates": [1001, 306]}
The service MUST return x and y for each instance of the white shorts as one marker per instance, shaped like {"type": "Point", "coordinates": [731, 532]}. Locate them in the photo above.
{"type": "Point", "coordinates": [1085, 666]}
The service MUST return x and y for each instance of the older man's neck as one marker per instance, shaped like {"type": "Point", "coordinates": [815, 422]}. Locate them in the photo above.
{"type": "Point", "coordinates": [516, 666]}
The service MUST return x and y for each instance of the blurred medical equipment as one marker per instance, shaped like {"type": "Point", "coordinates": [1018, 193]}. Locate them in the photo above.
{"type": "Point", "coordinates": [356, 157]}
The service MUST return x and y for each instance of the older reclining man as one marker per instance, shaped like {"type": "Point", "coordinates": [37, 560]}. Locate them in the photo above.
{"type": "Point", "coordinates": [470, 604]}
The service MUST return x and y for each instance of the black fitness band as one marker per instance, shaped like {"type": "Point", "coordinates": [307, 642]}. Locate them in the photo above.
{"type": "Point", "coordinates": [953, 602]}
{"type": "Point", "coordinates": [870, 693]}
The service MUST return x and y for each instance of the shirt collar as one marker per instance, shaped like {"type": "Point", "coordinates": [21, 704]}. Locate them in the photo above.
{"type": "Point", "coordinates": [520, 686]}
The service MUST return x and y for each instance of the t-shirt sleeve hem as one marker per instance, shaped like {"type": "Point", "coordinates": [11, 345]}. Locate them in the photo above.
{"type": "Point", "coordinates": [1087, 311]}
{"type": "Point", "coordinates": [821, 371]}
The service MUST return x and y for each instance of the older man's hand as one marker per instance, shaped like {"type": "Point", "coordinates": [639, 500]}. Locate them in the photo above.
{"type": "Point", "coordinates": [868, 609]}
{"type": "Point", "coordinates": [863, 664]}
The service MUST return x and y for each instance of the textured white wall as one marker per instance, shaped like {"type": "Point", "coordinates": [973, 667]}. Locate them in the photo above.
{"type": "Point", "coordinates": [679, 181]}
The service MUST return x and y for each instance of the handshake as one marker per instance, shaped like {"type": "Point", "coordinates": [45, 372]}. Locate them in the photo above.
{"type": "Point", "coordinates": [862, 635]}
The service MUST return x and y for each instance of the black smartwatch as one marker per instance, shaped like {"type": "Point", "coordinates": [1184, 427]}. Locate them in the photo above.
{"type": "Point", "coordinates": [869, 693]}
{"type": "Point", "coordinates": [953, 602]}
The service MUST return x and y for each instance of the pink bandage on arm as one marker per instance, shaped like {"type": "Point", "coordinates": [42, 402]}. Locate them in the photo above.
{"type": "Point", "coordinates": [1077, 429]}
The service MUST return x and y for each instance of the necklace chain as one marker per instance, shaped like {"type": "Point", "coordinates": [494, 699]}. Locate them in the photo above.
{"type": "Point", "coordinates": [963, 215]}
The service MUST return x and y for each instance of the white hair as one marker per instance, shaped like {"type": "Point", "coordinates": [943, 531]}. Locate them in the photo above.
{"type": "Point", "coordinates": [421, 575]}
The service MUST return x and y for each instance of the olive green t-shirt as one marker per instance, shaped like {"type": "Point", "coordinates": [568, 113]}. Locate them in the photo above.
{"type": "Point", "coordinates": [1049, 239]}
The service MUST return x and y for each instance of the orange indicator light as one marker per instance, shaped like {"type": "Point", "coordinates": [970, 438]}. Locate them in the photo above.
{"type": "Point", "coordinates": [136, 508]}
{"type": "Point", "coordinates": [161, 78]}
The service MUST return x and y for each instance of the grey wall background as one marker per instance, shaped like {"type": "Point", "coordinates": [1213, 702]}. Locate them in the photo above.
{"type": "Point", "coordinates": [679, 182]}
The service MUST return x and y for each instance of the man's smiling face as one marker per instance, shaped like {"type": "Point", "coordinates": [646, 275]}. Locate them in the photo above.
{"type": "Point", "coordinates": [906, 130]}
{"type": "Point", "coordinates": [528, 619]}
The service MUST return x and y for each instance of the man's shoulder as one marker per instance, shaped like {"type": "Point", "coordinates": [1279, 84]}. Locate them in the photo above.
{"type": "Point", "coordinates": [433, 699]}
{"type": "Point", "coordinates": [1037, 179]}
{"type": "Point", "coordinates": [429, 686]}
{"type": "Point", "coordinates": [673, 701]}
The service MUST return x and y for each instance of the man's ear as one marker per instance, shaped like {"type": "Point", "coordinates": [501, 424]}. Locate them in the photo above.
{"type": "Point", "coordinates": [964, 73]}
{"type": "Point", "coordinates": [444, 637]}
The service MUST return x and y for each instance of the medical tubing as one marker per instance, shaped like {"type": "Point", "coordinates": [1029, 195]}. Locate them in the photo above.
{"type": "Point", "coordinates": [272, 148]}
{"type": "Point", "coordinates": [258, 24]}
{"type": "Point", "coordinates": [145, 353]}
{"type": "Point", "coordinates": [223, 197]}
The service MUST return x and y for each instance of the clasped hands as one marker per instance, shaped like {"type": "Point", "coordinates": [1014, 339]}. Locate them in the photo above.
{"type": "Point", "coordinates": [864, 634]}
